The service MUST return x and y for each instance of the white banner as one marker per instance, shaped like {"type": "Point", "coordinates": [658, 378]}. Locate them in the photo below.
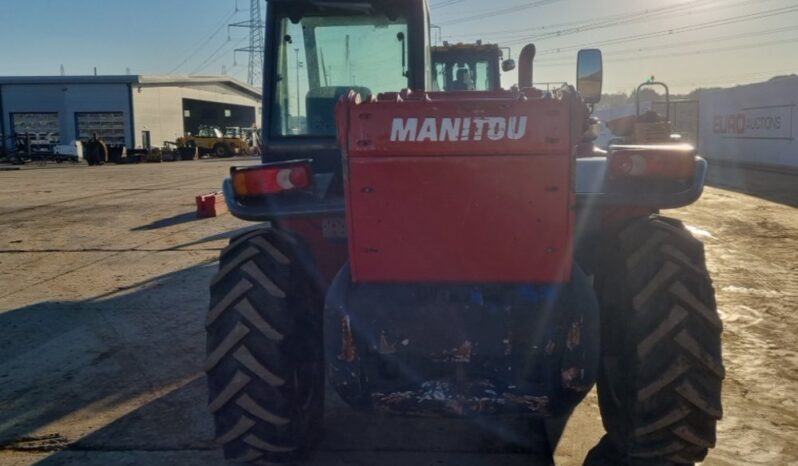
{"type": "Point", "coordinates": [754, 124]}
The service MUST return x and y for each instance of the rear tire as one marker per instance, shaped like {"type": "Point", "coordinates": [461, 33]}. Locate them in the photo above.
{"type": "Point", "coordinates": [661, 370]}
{"type": "Point", "coordinates": [223, 151]}
{"type": "Point", "coordinates": [96, 152]}
{"type": "Point", "coordinates": [265, 363]}
{"type": "Point", "coordinates": [187, 153]}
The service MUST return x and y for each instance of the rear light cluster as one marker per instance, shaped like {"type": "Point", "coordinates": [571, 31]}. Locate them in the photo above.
{"type": "Point", "coordinates": [262, 180]}
{"type": "Point", "coordinates": [670, 161]}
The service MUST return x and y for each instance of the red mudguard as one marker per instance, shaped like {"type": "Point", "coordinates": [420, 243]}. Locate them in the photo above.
{"type": "Point", "coordinates": [458, 187]}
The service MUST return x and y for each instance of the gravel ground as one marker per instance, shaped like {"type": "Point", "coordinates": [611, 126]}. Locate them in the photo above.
{"type": "Point", "coordinates": [104, 276]}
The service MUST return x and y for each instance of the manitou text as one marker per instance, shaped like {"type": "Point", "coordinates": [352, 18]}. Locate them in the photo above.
{"type": "Point", "coordinates": [457, 129]}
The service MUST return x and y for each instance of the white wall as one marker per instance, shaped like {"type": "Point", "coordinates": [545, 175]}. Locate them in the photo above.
{"type": "Point", "coordinates": [754, 124]}
{"type": "Point", "coordinates": [159, 109]}
{"type": "Point", "coordinates": [66, 100]}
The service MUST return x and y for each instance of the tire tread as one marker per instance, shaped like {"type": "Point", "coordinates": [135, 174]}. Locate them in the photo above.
{"type": "Point", "coordinates": [659, 390]}
{"type": "Point", "coordinates": [264, 322]}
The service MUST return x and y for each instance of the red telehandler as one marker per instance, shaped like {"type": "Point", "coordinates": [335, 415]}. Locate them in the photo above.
{"type": "Point", "coordinates": [458, 254]}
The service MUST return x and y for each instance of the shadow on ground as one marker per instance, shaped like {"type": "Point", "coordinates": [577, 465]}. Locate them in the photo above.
{"type": "Point", "coordinates": [117, 379]}
{"type": "Point", "coordinates": [168, 222]}
{"type": "Point", "coordinates": [70, 367]}
{"type": "Point", "coordinates": [769, 185]}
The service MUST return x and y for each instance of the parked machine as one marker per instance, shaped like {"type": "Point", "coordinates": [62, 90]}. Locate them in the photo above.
{"type": "Point", "coordinates": [468, 67]}
{"type": "Point", "coordinates": [211, 140]}
{"type": "Point", "coordinates": [31, 147]}
{"type": "Point", "coordinates": [449, 254]}
{"type": "Point", "coordinates": [95, 151]}
{"type": "Point", "coordinates": [651, 127]}
{"type": "Point", "coordinates": [646, 127]}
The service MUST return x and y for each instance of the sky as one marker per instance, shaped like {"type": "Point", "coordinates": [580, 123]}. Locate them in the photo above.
{"type": "Point", "coordinates": [686, 43]}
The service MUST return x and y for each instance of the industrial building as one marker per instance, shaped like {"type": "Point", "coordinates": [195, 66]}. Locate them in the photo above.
{"type": "Point", "coordinates": [124, 111]}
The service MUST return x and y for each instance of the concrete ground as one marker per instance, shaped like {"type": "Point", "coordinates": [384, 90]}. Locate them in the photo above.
{"type": "Point", "coordinates": [103, 291]}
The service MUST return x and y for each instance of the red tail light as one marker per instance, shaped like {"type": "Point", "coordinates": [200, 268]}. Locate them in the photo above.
{"type": "Point", "coordinates": [674, 161]}
{"type": "Point", "coordinates": [261, 180]}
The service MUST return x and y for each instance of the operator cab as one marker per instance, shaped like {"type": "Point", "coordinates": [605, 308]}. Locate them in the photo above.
{"type": "Point", "coordinates": [316, 51]}
{"type": "Point", "coordinates": [468, 67]}
{"type": "Point", "coordinates": [209, 132]}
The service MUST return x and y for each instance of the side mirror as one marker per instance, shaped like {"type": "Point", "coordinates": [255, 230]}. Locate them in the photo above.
{"type": "Point", "coordinates": [508, 65]}
{"type": "Point", "coordinates": [589, 75]}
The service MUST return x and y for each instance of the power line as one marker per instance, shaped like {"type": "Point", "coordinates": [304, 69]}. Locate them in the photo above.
{"type": "Point", "coordinates": [637, 50]}
{"type": "Point", "coordinates": [682, 54]}
{"type": "Point", "coordinates": [615, 20]}
{"type": "Point", "coordinates": [680, 29]}
{"type": "Point", "coordinates": [244, 39]}
{"type": "Point", "coordinates": [713, 50]}
{"type": "Point", "coordinates": [499, 12]}
{"type": "Point", "coordinates": [673, 31]}
{"type": "Point", "coordinates": [215, 57]}
{"type": "Point", "coordinates": [546, 26]}
{"type": "Point", "coordinates": [236, 70]}
{"type": "Point", "coordinates": [199, 48]}
{"type": "Point", "coordinates": [207, 60]}
{"type": "Point", "coordinates": [444, 4]}
{"type": "Point", "coordinates": [597, 23]}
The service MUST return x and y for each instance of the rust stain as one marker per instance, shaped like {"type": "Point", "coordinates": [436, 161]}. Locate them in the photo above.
{"type": "Point", "coordinates": [394, 398]}
{"type": "Point", "coordinates": [460, 354]}
{"type": "Point", "coordinates": [533, 403]}
{"type": "Point", "coordinates": [569, 375]}
{"type": "Point", "coordinates": [463, 353]}
{"type": "Point", "coordinates": [572, 380]}
{"type": "Point", "coordinates": [574, 335]}
{"type": "Point", "coordinates": [386, 347]}
{"type": "Point", "coordinates": [444, 396]}
{"type": "Point", "coordinates": [550, 347]}
{"type": "Point", "coordinates": [348, 350]}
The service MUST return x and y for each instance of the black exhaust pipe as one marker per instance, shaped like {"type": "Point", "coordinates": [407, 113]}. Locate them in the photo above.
{"type": "Point", "coordinates": [525, 66]}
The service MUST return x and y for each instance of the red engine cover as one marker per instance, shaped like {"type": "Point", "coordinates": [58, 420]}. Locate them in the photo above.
{"type": "Point", "coordinates": [458, 187]}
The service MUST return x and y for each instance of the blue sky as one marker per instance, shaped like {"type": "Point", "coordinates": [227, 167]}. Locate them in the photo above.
{"type": "Point", "coordinates": [687, 43]}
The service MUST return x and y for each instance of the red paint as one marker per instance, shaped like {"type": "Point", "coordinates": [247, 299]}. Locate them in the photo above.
{"type": "Point", "coordinates": [330, 255]}
{"type": "Point", "coordinates": [496, 210]}
{"type": "Point", "coordinates": [210, 205]}
{"type": "Point", "coordinates": [442, 124]}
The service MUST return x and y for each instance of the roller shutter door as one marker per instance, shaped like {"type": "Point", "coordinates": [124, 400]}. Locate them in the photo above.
{"type": "Point", "coordinates": [109, 126]}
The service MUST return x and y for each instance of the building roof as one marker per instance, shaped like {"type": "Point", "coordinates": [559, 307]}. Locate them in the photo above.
{"type": "Point", "coordinates": [144, 80]}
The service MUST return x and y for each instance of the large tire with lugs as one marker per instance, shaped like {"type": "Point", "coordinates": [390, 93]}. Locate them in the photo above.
{"type": "Point", "coordinates": [661, 370]}
{"type": "Point", "coordinates": [264, 349]}
{"type": "Point", "coordinates": [223, 150]}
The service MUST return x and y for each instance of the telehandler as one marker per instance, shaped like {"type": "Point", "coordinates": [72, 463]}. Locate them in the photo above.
{"type": "Point", "coordinates": [451, 254]}
{"type": "Point", "coordinates": [211, 140]}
